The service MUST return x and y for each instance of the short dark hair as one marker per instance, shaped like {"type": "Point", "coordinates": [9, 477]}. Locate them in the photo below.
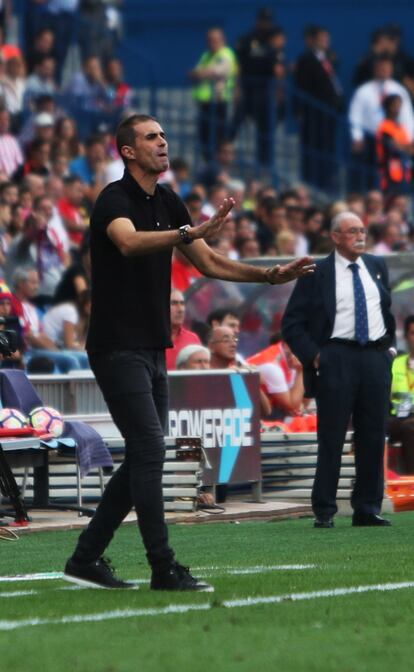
{"type": "Point", "coordinates": [125, 133]}
{"type": "Point", "coordinates": [409, 320]}
{"type": "Point", "coordinates": [219, 314]}
{"type": "Point", "coordinates": [269, 203]}
{"type": "Point", "coordinates": [193, 197]}
{"type": "Point", "coordinates": [71, 179]}
{"type": "Point", "coordinates": [389, 101]}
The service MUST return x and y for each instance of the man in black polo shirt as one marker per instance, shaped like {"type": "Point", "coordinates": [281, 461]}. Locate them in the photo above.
{"type": "Point", "coordinates": [134, 226]}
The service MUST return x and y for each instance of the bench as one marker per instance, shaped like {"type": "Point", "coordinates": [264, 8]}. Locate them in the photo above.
{"type": "Point", "coordinates": [181, 475]}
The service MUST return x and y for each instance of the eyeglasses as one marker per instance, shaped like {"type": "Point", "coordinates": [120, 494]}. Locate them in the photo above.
{"type": "Point", "coordinates": [177, 303]}
{"type": "Point", "coordinates": [354, 231]}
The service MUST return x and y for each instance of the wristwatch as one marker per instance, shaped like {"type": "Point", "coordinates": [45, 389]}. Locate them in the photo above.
{"type": "Point", "coordinates": [183, 231]}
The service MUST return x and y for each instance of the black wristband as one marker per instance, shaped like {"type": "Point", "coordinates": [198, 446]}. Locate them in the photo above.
{"type": "Point", "coordinates": [184, 236]}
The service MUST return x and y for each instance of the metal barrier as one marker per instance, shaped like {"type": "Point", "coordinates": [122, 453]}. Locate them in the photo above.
{"type": "Point", "coordinates": [289, 462]}
{"type": "Point", "coordinates": [181, 476]}
{"type": "Point", "coordinates": [301, 140]}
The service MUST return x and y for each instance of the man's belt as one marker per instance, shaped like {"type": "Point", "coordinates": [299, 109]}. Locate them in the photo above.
{"type": "Point", "coordinates": [382, 343]}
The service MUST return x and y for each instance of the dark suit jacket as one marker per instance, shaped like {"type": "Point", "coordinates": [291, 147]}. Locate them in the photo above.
{"type": "Point", "coordinates": [312, 78]}
{"type": "Point", "coordinates": [310, 314]}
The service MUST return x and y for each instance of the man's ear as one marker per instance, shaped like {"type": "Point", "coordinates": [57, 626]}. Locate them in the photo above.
{"type": "Point", "coordinates": [127, 152]}
{"type": "Point", "coordinates": [335, 237]}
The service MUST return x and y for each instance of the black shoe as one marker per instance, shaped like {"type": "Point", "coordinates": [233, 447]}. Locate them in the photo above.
{"type": "Point", "coordinates": [369, 520]}
{"type": "Point", "coordinates": [98, 574]}
{"type": "Point", "coordinates": [178, 577]}
{"type": "Point", "coordinates": [323, 521]}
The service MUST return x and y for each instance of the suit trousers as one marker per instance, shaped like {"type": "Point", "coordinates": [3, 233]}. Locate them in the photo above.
{"type": "Point", "coordinates": [353, 383]}
{"type": "Point", "coordinates": [135, 387]}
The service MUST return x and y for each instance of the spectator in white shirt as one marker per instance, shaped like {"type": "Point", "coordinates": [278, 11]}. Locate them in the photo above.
{"type": "Point", "coordinates": [11, 157]}
{"type": "Point", "coordinates": [62, 324]}
{"type": "Point", "coordinates": [366, 112]}
{"type": "Point", "coordinates": [38, 344]}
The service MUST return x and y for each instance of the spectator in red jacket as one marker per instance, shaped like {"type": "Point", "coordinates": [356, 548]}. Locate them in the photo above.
{"type": "Point", "coordinates": [179, 334]}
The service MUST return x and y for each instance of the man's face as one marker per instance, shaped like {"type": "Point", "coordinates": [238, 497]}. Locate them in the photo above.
{"type": "Point", "coordinates": [45, 208]}
{"type": "Point", "coordinates": [393, 234]}
{"type": "Point", "coordinates": [46, 68]}
{"type": "Point", "coordinates": [276, 219]}
{"type": "Point", "coordinates": [383, 70]}
{"type": "Point", "coordinates": [45, 40]}
{"type": "Point", "coordinates": [322, 40]}
{"type": "Point", "coordinates": [375, 202]}
{"type": "Point", "coordinates": [215, 40]}
{"type": "Point", "coordinates": [93, 68]}
{"type": "Point", "coordinates": [11, 194]}
{"type": "Point", "coordinates": [409, 337]}
{"type": "Point", "coordinates": [30, 287]}
{"type": "Point", "coordinates": [226, 154]}
{"type": "Point", "coordinates": [115, 70]}
{"type": "Point", "coordinates": [350, 239]}
{"type": "Point", "coordinates": [232, 322]}
{"type": "Point", "coordinates": [41, 156]}
{"type": "Point", "coordinates": [74, 193]}
{"type": "Point", "coordinates": [177, 309]}
{"type": "Point", "coordinates": [150, 148]}
{"type": "Point", "coordinates": [5, 307]}
{"type": "Point", "coordinates": [223, 343]}
{"type": "Point", "coordinates": [199, 360]}
{"type": "Point", "coordinates": [95, 153]}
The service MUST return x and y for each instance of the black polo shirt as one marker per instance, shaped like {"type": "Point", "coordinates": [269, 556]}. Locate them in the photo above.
{"type": "Point", "coordinates": [131, 296]}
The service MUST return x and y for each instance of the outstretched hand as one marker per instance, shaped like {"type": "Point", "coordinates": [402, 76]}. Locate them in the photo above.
{"type": "Point", "coordinates": [210, 228]}
{"type": "Point", "coordinates": [295, 269]}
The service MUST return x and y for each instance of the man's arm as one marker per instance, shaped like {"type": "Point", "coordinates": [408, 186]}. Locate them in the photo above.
{"type": "Point", "coordinates": [295, 322]}
{"type": "Point", "coordinates": [215, 265]}
{"type": "Point", "coordinates": [133, 243]}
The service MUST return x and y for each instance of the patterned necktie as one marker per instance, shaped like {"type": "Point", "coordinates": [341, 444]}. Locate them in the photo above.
{"type": "Point", "coordinates": [361, 313]}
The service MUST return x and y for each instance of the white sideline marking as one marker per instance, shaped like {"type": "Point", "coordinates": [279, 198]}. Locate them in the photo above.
{"type": "Point", "coordinates": [257, 569]}
{"type": "Point", "coordinates": [185, 608]}
{"type": "Point", "coordinates": [19, 593]}
{"type": "Point", "coordinates": [41, 576]}
{"type": "Point", "coordinates": [270, 568]}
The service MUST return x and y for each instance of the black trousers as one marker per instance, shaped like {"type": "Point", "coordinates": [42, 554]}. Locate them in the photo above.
{"type": "Point", "coordinates": [135, 387]}
{"type": "Point", "coordinates": [318, 147]}
{"type": "Point", "coordinates": [212, 127]}
{"type": "Point", "coordinates": [257, 102]}
{"type": "Point", "coordinates": [353, 383]}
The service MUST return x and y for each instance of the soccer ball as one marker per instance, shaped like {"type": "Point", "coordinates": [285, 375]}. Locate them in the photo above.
{"type": "Point", "coordinates": [11, 418]}
{"type": "Point", "coordinates": [47, 419]}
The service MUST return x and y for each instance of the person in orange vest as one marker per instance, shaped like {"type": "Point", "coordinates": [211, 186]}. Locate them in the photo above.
{"type": "Point", "coordinates": [395, 149]}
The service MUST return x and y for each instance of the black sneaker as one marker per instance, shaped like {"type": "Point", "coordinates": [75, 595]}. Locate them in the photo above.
{"type": "Point", "coordinates": [178, 577]}
{"type": "Point", "coordinates": [98, 574]}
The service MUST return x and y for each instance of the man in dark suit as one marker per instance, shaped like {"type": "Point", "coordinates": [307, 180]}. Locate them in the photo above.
{"type": "Point", "coordinates": [319, 100]}
{"type": "Point", "coordinates": [339, 324]}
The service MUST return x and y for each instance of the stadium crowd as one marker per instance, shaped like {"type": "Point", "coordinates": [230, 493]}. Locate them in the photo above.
{"type": "Point", "coordinates": [51, 174]}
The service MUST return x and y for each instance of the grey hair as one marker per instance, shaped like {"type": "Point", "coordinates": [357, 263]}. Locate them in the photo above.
{"type": "Point", "coordinates": [342, 217]}
{"type": "Point", "coordinates": [21, 274]}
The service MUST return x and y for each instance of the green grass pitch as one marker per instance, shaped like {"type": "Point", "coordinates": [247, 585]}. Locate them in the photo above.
{"type": "Point", "coordinates": [245, 625]}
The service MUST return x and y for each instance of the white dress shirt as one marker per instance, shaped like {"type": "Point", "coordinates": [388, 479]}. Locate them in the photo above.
{"type": "Point", "coordinates": [366, 112]}
{"type": "Point", "coordinates": [344, 325]}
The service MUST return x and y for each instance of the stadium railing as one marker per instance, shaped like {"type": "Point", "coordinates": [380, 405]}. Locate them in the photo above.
{"type": "Point", "coordinates": [323, 160]}
{"type": "Point", "coordinates": [182, 473]}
